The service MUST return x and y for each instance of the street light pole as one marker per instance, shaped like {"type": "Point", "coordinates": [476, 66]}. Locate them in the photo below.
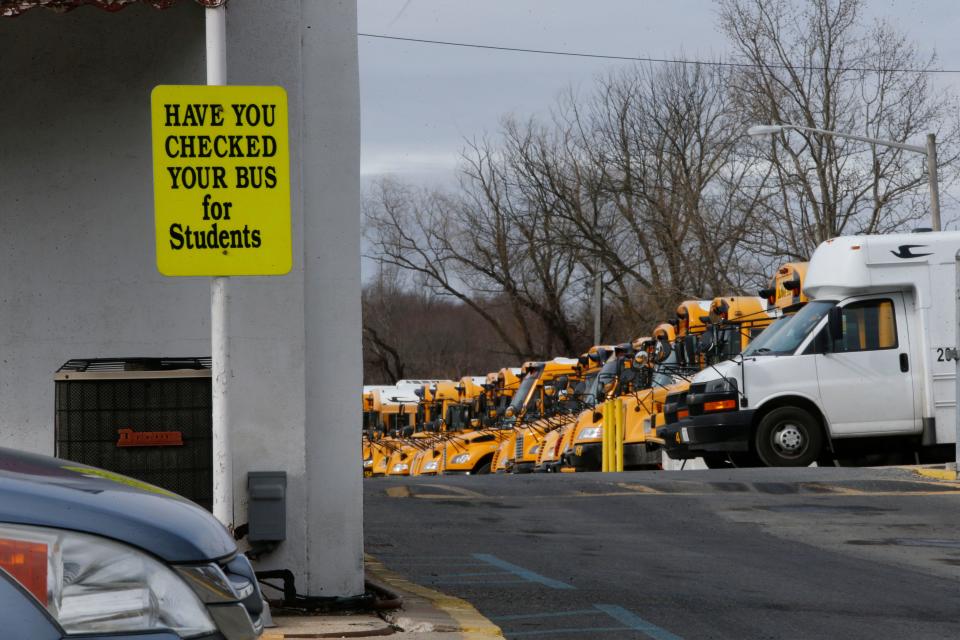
{"type": "Point", "coordinates": [930, 150]}
{"type": "Point", "coordinates": [933, 181]}
{"type": "Point", "coordinates": [597, 303]}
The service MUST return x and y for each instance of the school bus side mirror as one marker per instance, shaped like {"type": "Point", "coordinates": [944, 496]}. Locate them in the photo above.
{"type": "Point", "coordinates": [549, 390]}
{"type": "Point", "coordinates": [509, 413]}
{"type": "Point", "coordinates": [475, 422]}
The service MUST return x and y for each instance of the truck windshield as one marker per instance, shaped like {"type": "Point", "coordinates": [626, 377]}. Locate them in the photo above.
{"type": "Point", "coordinates": [785, 335]}
{"type": "Point", "coordinates": [590, 390]}
{"type": "Point", "coordinates": [521, 395]}
{"type": "Point", "coordinates": [609, 372]}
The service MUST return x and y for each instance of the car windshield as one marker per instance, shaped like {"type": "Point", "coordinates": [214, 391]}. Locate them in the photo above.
{"type": "Point", "coordinates": [785, 335]}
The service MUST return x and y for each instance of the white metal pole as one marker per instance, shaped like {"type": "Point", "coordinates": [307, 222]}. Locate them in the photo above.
{"type": "Point", "coordinates": [216, 32]}
{"type": "Point", "coordinates": [934, 183]}
{"type": "Point", "coordinates": [956, 358]}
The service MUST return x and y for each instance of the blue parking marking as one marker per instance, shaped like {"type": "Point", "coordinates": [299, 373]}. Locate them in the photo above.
{"type": "Point", "coordinates": [517, 570]}
{"type": "Point", "coordinates": [551, 632]}
{"type": "Point", "coordinates": [635, 622]}
{"type": "Point", "coordinates": [479, 573]}
{"type": "Point", "coordinates": [632, 621]}
{"type": "Point", "coordinates": [557, 614]}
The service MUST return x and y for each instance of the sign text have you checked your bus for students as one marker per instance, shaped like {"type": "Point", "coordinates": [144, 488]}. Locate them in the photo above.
{"type": "Point", "coordinates": [221, 175]}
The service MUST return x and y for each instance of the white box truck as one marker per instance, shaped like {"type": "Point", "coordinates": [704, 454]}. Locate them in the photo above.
{"type": "Point", "coordinates": [862, 369]}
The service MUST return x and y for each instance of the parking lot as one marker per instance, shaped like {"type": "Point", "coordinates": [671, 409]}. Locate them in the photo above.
{"type": "Point", "coordinates": [741, 553]}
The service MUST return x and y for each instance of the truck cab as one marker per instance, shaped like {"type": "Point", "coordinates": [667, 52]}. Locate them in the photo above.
{"type": "Point", "coordinates": [547, 407]}
{"type": "Point", "coordinates": [581, 398]}
{"type": "Point", "coordinates": [860, 370]}
{"type": "Point", "coordinates": [646, 393]}
{"type": "Point", "coordinates": [616, 376]}
{"type": "Point", "coordinates": [459, 408]}
{"type": "Point", "coordinates": [472, 452]}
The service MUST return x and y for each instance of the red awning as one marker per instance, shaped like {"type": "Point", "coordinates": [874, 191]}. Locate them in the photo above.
{"type": "Point", "coordinates": [11, 8]}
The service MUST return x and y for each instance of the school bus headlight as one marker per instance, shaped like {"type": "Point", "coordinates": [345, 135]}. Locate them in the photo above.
{"type": "Point", "coordinates": [590, 433]}
{"type": "Point", "coordinates": [461, 459]}
{"type": "Point", "coordinates": [431, 466]}
{"type": "Point", "coordinates": [368, 462]}
{"type": "Point", "coordinates": [534, 450]}
{"type": "Point", "coordinates": [400, 467]}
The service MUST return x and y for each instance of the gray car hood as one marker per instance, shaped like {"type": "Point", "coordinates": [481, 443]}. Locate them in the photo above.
{"type": "Point", "coordinates": [49, 492]}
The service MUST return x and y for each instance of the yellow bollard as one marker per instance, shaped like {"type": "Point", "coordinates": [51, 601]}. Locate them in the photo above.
{"type": "Point", "coordinates": [621, 410]}
{"type": "Point", "coordinates": [612, 458]}
{"type": "Point", "coordinates": [604, 446]}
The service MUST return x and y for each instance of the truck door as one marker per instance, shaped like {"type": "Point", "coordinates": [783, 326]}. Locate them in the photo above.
{"type": "Point", "coordinates": [866, 380]}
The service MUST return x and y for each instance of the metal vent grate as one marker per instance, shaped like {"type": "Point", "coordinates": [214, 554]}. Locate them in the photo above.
{"type": "Point", "coordinates": [89, 414]}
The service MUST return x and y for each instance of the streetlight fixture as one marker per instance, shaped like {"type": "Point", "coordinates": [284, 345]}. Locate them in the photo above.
{"type": "Point", "coordinates": [930, 150]}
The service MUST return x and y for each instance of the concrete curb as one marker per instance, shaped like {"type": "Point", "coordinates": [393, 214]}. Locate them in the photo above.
{"type": "Point", "coordinates": [426, 610]}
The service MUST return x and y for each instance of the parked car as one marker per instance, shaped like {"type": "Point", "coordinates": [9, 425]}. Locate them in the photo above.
{"type": "Point", "coordinates": [87, 551]}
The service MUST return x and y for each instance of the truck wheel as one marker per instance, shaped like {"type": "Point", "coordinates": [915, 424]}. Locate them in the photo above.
{"type": "Point", "coordinates": [788, 437]}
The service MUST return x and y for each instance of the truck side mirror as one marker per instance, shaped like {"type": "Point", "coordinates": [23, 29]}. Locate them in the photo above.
{"type": "Point", "coordinates": [835, 326]}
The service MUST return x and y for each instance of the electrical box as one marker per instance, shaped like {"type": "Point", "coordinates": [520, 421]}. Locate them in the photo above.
{"type": "Point", "coordinates": [267, 507]}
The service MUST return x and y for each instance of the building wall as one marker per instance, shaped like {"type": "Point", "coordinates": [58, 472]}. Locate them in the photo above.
{"type": "Point", "coordinates": [77, 271]}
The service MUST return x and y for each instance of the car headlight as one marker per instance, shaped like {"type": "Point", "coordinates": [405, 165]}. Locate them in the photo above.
{"type": "Point", "coordinates": [461, 459]}
{"type": "Point", "coordinates": [721, 385]}
{"type": "Point", "coordinates": [431, 466]}
{"type": "Point", "coordinates": [368, 462]}
{"type": "Point", "coordinates": [400, 467]}
{"type": "Point", "coordinates": [94, 585]}
{"type": "Point", "coordinates": [590, 433]}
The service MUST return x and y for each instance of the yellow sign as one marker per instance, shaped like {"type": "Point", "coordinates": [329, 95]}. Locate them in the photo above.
{"type": "Point", "coordinates": [221, 180]}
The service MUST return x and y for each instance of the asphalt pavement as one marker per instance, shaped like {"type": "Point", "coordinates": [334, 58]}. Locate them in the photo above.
{"type": "Point", "coordinates": [740, 553]}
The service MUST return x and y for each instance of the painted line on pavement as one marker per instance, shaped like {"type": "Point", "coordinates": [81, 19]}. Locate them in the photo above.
{"type": "Point", "coordinates": [517, 570]}
{"type": "Point", "coordinates": [555, 614]}
{"type": "Point", "coordinates": [552, 632]}
{"type": "Point", "coordinates": [481, 582]}
{"type": "Point", "coordinates": [475, 573]}
{"type": "Point", "coordinates": [635, 622]}
{"type": "Point", "coordinates": [938, 474]}
{"type": "Point", "coordinates": [473, 625]}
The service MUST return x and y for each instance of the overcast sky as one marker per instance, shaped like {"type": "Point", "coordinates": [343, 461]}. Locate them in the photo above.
{"type": "Point", "coordinates": [420, 101]}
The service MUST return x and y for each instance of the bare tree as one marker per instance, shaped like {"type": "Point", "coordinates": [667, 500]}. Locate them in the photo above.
{"type": "Point", "coordinates": [649, 182]}
{"type": "Point", "coordinates": [817, 64]}
{"type": "Point", "coordinates": [485, 247]}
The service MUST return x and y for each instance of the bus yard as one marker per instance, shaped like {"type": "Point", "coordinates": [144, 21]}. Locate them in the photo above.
{"type": "Point", "coordinates": [811, 371]}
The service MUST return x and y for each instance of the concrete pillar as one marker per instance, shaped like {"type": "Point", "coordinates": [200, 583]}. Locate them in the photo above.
{"type": "Point", "coordinates": [77, 272]}
{"type": "Point", "coordinates": [331, 264]}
